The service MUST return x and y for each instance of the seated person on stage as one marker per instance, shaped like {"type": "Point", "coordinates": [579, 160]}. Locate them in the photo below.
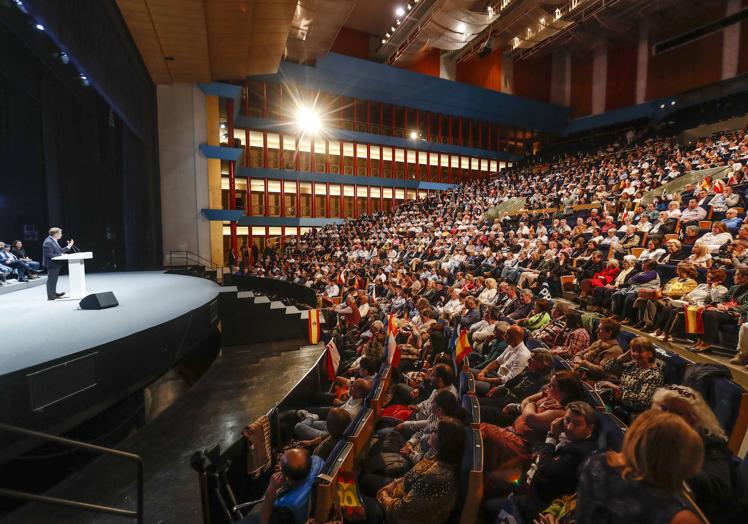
{"type": "Point", "coordinates": [532, 379]}
{"type": "Point", "coordinates": [508, 365]}
{"type": "Point", "coordinates": [20, 253]}
{"type": "Point", "coordinates": [555, 466]}
{"type": "Point", "coordinates": [287, 495]}
{"type": "Point", "coordinates": [5, 272]}
{"type": "Point", "coordinates": [311, 426]}
{"type": "Point", "coordinates": [8, 259]}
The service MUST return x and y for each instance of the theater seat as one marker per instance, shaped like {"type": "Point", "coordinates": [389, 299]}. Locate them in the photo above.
{"type": "Point", "coordinates": [359, 433]}
{"type": "Point", "coordinates": [467, 384]}
{"type": "Point", "coordinates": [610, 432]}
{"type": "Point", "coordinates": [592, 397]}
{"type": "Point", "coordinates": [624, 338]}
{"type": "Point", "coordinates": [675, 365]}
{"type": "Point", "coordinates": [471, 480]}
{"type": "Point", "coordinates": [471, 405]}
{"type": "Point", "coordinates": [729, 401]}
{"type": "Point", "coordinates": [560, 364]}
{"type": "Point", "coordinates": [341, 459]}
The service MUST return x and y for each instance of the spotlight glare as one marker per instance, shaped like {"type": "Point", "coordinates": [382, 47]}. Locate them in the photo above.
{"type": "Point", "coordinates": [39, 27]}
{"type": "Point", "coordinates": [413, 135]}
{"type": "Point", "coordinates": [399, 11]}
{"type": "Point", "coordinates": [308, 121]}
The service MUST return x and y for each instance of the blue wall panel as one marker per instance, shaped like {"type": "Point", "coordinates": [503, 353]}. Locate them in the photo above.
{"type": "Point", "coordinates": [367, 80]}
{"type": "Point", "coordinates": [267, 124]}
{"type": "Point", "coordinates": [334, 178]}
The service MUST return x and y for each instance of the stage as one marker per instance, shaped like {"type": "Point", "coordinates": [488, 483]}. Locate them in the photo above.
{"type": "Point", "coordinates": [60, 365]}
{"type": "Point", "coordinates": [37, 330]}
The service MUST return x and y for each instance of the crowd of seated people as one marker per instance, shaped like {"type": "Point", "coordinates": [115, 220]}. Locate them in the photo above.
{"type": "Point", "coordinates": [15, 264]}
{"type": "Point", "coordinates": [439, 269]}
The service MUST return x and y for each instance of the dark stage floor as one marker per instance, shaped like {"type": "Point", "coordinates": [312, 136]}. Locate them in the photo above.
{"type": "Point", "coordinates": [242, 384]}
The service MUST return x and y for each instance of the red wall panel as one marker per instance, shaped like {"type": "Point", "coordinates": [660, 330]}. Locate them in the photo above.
{"type": "Point", "coordinates": [352, 43]}
{"type": "Point", "coordinates": [581, 86]}
{"type": "Point", "coordinates": [482, 72]}
{"type": "Point", "coordinates": [620, 87]}
{"type": "Point", "coordinates": [428, 64]}
{"type": "Point", "coordinates": [743, 56]}
{"type": "Point", "coordinates": [532, 78]}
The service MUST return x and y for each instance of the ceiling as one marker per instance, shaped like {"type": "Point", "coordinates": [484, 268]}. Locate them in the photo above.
{"type": "Point", "coordinates": [374, 16]}
{"type": "Point", "coordinates": [204, 40]}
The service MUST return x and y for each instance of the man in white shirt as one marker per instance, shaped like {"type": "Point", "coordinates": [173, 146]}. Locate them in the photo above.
{"type": "Point", "coordinates": [508, 365]}
{"type": "Point", "coordinates": [693, 213]}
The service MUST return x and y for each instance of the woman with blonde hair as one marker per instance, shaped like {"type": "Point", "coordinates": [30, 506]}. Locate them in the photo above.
{"type": "Point", "coordinates": [716, 488]}
{"type": "Point", "coordinates": [644, 483]}
{"type": "Point", "coordinates": [488, 295]}
{"type": "Point", "coordinates": [700, 256]}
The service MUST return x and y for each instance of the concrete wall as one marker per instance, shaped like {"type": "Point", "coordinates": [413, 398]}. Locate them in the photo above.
{"type": "Point", "coordinates": [184, 172]}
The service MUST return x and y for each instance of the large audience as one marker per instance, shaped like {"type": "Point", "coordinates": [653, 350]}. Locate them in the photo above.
{"type": "Point", "coordinates": [541, 296]}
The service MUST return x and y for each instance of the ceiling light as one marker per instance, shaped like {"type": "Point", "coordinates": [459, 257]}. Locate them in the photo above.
{"type": "Point", "coordinates": [40, 27]}
{"type": "Point", "coordinates": [84, 80]}
{"type": "Point", "coordinates": [387, 35]}
{"type": "Point", "coordinates": [672, 103]}
{"type": "Point", "coordinates": [398, 22]}
{"type": "Point", "coordinates": [64, 57]}
{"type": "Point", "coordinates": [413, 135]}
{"type": "Point", "coordinates": [399, 11]}
{"type": "Point", "coordinates": [393, 28]}
{"type": "Point", "coordinates": [410, 6]}
{"type": "Point", "coordinates": [308, 120]}
{"type": "Point", "coordinates": [223, 126]}
{"type": "Point", "coordinates": [662, 106]}
{"type": "Point", "coordinates": [384, 40]}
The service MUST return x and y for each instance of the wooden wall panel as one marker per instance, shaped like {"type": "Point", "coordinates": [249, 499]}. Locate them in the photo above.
{"type": "Point", "coordinates": [353, 43]}
{"type": "Point", "coordinates": [532, 78]}
{"type": "Point", "coordinates": [743, 56]}
{"type": "Point", "coordinates": [581, 86]}
{"type": "Point", "coordinates": [621, 79]}
{"type": "Point", "coordinates": [428, 64]}
{"type": "Point", "coordinates": [482, 72]}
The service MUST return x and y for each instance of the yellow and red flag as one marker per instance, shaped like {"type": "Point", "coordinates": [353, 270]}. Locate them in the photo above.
{"type": "Point", "coordinates": [333, 359]}
{"type": "Point", "coordinates": [313, 325]}
{"type": "Point", "coordinates": [393, 351]}
{"type": "Point", "coordinates": [462, 348]}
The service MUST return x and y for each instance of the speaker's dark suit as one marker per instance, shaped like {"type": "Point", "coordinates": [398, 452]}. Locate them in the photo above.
{"type": "Point", "coordinates": [50, 249]}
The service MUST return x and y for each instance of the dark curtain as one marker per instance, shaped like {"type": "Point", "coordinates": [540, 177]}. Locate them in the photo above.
{"type": "Point", "coordinates": [68, 156]}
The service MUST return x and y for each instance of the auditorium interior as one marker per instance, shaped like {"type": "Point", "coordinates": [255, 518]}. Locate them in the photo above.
{"type": "Point", "coordinates": [375, 261]}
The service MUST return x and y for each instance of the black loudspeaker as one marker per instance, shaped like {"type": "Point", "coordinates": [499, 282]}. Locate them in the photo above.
{"type": "Point", "coordinates": [99, 301]}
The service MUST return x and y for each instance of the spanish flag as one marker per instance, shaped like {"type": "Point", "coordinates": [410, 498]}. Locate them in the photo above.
{"type": "Point", "coordinates": [692, 316]}
{"type": "Point", "coordinates": [462, 348]}
{"type": "Point", "coordinates": [313, 325]}
{"type": "Point", "coordinates": [393, 352]}
{"type": "Point", "coordinates": [333, 360]}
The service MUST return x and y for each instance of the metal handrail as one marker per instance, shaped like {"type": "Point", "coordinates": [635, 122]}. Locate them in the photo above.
{"type": "Point", "coordinates": [186, 255]}
{"type": "Point", "coordinates": [137, 514]}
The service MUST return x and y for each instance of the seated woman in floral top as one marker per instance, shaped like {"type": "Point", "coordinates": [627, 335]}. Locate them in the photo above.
{"type": "Point", "coordinates": [638, 377]}
{"type": "Point", "coordinates": [430, 488]}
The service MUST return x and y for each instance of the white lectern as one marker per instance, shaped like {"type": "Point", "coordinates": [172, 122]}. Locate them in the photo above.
{"type": "Point", "coordinates": [77, 272]}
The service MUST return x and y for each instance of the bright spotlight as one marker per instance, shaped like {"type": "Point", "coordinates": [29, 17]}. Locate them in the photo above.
{"type": "Point", "coordinates": [672, 103]}
{"type": "Point", "coordinates": [39, 27]}
{"type": "Point", "coordinates": [413, 135]}
{"type": "Point", "coordinates": [308, 121]}
{"type": "Point", "coordinates": [399, 11]}
{"type": "Point", "coordinates": [662, 106]}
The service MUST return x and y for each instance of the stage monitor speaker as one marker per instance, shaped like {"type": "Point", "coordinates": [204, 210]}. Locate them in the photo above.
{"type": "Point", "coordinates": [99, 301]}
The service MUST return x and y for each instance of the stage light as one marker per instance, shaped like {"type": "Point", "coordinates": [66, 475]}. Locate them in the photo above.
{"type": "Point", "coordinates": [384, 40]}
{"type": "Point", "coordinates": [39, 27]}
{"type": "Point", "coordinates": [392, 28]}
{"type": "Point", "coordinates": [223, 126]}
{"type": "Point", "coordinates": [84, 80]}
{"type": "Point", "coordinates": [64, 58]}
{"type": "Point", "coordinates": [672, 103]}
{"type": "Point", "coordinates": [397, 23]}
{"type": "Point", "coordinates": [399, 11]}
{"type": "Point", "coordinates": [662, 106]}
{"type": "Point", "coordinates": [387, 35]}
{"type": "Point", "coordinates": [308, 121]}
{"type": "Point", "coordinates": [19, 5]}
{"type": "Point", "coordinates": [410, 6]}
{"type": "Point", "coordinates": [413, 135]}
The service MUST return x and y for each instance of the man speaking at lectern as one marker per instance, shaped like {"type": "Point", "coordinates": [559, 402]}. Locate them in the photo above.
{"type": "Point", "coordinates": [50, 249]}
